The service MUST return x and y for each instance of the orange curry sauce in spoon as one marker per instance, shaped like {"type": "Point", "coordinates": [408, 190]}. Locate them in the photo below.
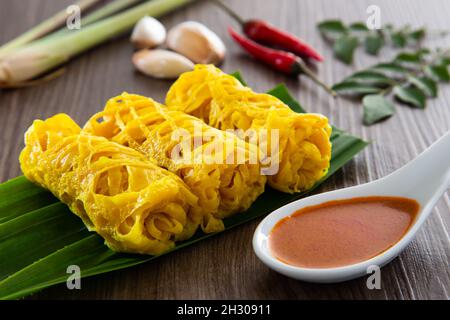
{"type": "Point", "coordinates": [342, 232]}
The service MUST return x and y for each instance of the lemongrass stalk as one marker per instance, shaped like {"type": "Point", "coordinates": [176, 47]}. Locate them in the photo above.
{"type": "Point", "coordinates": [43, 28]}
{"type": "Point", "coordinates": [41, 56]}
{"type": "Point", "coordinates": [106, 11]}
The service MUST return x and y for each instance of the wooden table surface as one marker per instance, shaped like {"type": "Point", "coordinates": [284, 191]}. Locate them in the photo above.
{"type": "Point", "coordinates": [225, 267]}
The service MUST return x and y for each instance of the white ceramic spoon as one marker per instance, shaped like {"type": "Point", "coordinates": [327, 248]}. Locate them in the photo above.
{"type": "Point", "coordinates": [424, 179]}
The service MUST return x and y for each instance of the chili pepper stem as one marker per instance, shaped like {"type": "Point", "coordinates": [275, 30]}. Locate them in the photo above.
{"type": "Point", "coordinates": [232, 14]}
{"type": "Point", "coordinates": [279, 60]}
{"type": "Point", "coordinates": [307, 71]}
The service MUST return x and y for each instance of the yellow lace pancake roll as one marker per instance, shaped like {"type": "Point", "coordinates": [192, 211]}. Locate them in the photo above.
{"type": "Point", "coordinates": [132, 203]}
{"type": "Point", "coordinates": [221, 170]}
{"type": "Point", "coordinates": [220, 100]}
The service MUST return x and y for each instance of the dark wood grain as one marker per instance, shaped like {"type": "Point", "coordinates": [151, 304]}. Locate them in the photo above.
{"type": "Point", "coordinates": [225, 266]}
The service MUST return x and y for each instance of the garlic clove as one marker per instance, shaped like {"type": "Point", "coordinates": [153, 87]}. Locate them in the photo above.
{"type": "Point", "coordinates": [162, 64]}
{"type": "Point", "coordinates": [148, 33]}
{"type": "Point", "coordinates": [198, 43]}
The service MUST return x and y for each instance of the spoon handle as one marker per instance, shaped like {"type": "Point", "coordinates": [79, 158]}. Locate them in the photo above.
{"type": "Point", "coordinates": [427, 177]}
{"type": "Point", "coordinates": [440, 150]}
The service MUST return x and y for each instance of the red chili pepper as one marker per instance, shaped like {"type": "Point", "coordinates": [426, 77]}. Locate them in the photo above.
{"type": "Point", "coordinates": [265, 33]}
{"type": "Point", "coordinates": [283, 61]}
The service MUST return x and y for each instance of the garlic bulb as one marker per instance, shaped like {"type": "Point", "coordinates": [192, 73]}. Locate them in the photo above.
{"type": "Point", "coordinates": [195, 41]}
{"type": "Point", "coordinates": [161, 63]}
{"type": "Point", "coordinates": [148, 33]}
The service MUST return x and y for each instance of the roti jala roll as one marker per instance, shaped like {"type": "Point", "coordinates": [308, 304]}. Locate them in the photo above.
{"type": "Point", "coordinates": [135, 205]}
{"type": "Point", "coordinates": [221, 101]}
{"type": "Point", "coordinates": [221, 170]}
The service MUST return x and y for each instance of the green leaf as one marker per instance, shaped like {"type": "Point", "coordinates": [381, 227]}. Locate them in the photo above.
{"type": "Point", "coordinates": [417, 35]}
{"type": "Point", "coordinates": [376, 108]}
{"type": "Point", "coordinates": [332, 29]}
{"type": "Point", "coordinates": [42, 237]}
{"type": "Point", "coordinates": [358, 27]}
{"type": "Point", "coordinates": [438, 72]}
{"type": "Point", "coordinates": [443, 61]}
{"type": "Point", "coordinates": [399, 39]}
{"type": "Point", "coordinates": [423, 51]}
{"type": "Point", "coordinates": [409, 57]}
{"type": "Point", "coordinates": [370, 77]}
{"type": "Point", "coordinates": [411, 96]}
{"type": "Point", "coordinates": [390, 69]}
{"type": "Point", "coordinates": [61, 228]}
{"type": "Point", "coordinates": [282, 93]}
{"type": "Point", "coordinates": [15, 191]}
{"type": "Point", "coordinates": [443, 57]}
{"type": "Point", "coordinates": [354, 88]}
{"type": "Point", "coordinates": [373, 43]}
{"type": "Point", "coordinates": [344, 48]}
{"type": "Point", "coordinates": [238, 75]}
{"type": "Point", "coordinates": [425, 84]}
{"type": "Point", "coordinates": [410, 60]}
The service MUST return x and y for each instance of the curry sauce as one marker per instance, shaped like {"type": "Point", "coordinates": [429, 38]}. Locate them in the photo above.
{"type": "Point", "coordinates": [342, 232]}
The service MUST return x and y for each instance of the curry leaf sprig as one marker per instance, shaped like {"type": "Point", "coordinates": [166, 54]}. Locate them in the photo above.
{"type": "Point", "coordinates": [410, 78]}
{"type": "Point", "coordinates": [347, 38]}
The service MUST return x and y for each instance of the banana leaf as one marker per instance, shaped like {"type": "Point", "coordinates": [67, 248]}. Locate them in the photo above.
{"type": "Point", "coordinates": [40, 238]}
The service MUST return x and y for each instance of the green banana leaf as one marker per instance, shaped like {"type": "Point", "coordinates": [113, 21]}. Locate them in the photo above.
{"type": "Point", "coordinates": [40, 237]}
